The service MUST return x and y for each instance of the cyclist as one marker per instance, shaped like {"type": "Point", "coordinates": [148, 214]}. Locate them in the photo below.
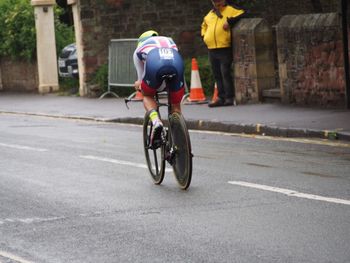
{"type": "Point", "coordinates": [154, 57]}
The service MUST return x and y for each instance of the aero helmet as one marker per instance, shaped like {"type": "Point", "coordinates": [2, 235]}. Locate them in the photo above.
{"type": "Point", "coordinates": [146, 35]}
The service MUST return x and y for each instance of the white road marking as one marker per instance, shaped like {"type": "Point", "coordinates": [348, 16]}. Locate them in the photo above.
{"type": "Point", "coordinates": [23, 147]}
{"type": "Point", "coordinates": [13, 257]}
{"type": "Point", "coordinates": [291, 193]}
{"type": "Point", "coordinates": [109, 160]}
{"type": "Point", "coordinates": [28, 220]}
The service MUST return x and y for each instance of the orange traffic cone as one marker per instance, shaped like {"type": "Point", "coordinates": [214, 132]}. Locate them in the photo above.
{"type": "Point", "coordinates": [215, 95]}
{"type": "Point", "coordinates": [138, 96]}
{"type": "Point", "coordinates": [196, 90]}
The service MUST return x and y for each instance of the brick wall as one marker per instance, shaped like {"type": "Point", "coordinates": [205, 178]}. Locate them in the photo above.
{"type": "Point", "coordinates": [273, 10]}
{"type": "Point", "coordinates": [310, 57]}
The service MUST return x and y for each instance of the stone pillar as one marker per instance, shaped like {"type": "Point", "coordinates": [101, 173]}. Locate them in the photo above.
{"type": "Point", "coordinates": [46, 45]}
{"type": "Point", "coordinates": [78, 41]}
{"type": "Point", "coordinates": [253, 59]}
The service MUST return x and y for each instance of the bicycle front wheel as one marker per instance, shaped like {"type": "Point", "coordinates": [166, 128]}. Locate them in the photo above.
{"type": "Point", "coordinates": [181, 145]}
{"type": "Point", "coordinates": [154, 157]}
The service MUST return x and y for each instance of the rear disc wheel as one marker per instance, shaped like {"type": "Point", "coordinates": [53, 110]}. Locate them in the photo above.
{"type": "Point", "coordinates": [181, 144]}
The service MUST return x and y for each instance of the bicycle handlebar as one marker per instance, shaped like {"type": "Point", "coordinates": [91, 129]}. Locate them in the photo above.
{"type": "Point", "coordinates": [128, 99]}
{"type": "Point", "coordinates": [166, 78]}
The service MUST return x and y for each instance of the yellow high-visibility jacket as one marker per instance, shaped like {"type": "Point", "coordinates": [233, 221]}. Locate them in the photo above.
{"type": "Point", "coordinates": [213, 32]}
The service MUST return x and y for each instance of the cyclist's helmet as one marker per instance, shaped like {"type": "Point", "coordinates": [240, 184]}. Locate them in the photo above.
{"type": "Point", "coordinates": [146, 35]}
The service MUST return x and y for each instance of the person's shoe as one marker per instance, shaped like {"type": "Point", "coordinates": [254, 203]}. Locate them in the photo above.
{"type": "Point", "coordinates": [156, 136]}
{"type": "Point", "coordinates": [217, 103]}
{"type": "Point", "coordinates": [229, 102]}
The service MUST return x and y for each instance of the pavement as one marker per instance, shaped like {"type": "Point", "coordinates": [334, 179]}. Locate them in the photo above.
{"type": "Point", "coordinates": [270, 119]}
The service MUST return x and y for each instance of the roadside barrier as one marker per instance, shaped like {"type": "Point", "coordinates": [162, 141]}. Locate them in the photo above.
{"type": "Point", "coordinates": [121, 70]}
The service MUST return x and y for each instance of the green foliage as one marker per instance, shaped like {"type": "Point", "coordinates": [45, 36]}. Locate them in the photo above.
{"type": "Point", "coordinates": [64, 34]}
{"type": "Point", "coordinates": [18, 33]}
{"type": "Point", "coordinates": [205, 73]}
{"type": "Point", "coordinates": [69, 86]}
{"type": "Point", "coordinates": [101, 77]}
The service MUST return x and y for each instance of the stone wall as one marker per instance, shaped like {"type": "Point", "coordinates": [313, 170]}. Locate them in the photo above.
{"type": "Point", "coordinates": [273, 10]}
{"type": "Point", "coordinates": [18, 75]}
{"type": "Point", "coordinates": [310, 58]}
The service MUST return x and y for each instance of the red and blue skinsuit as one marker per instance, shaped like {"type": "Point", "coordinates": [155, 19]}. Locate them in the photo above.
{"type": "Point", "coordinates": [155, 57]}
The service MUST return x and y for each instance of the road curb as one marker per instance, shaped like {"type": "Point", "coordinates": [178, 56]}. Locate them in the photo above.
{"type": "Point", "coordinates": [266, 130]}
{"type": "Point", "coordinates": [253, 129]}
{"type": "Point", "coordinates": [257, 129]}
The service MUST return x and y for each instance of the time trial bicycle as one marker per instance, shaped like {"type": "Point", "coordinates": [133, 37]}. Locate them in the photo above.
{"type": "Point", "coordinates": [175, 146]}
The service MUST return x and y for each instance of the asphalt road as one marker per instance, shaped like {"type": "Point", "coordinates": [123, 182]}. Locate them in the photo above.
{"type": "Point", "coordinates": [78, 191]}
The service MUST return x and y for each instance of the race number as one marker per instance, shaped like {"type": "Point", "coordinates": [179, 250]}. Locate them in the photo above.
{"type": "Point", "coordinates": [166, 53]}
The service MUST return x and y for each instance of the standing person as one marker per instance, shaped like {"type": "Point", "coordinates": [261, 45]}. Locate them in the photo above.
{"type": "Point", "coordinates": [216, 34]}
{"type": "Point", "coordinates": [154, 57]}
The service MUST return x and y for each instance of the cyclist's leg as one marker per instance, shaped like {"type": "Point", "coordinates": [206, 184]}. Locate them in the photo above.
{"type": "Point", "coordinates": [152, 127]}
{"type": "Point", "coordinates": [150, 82]}
{"type": "Point", "coordinates": [177, 85]}
{"type": "Point", "coordinates": [157, 124]}
{"type": "Point", "coordinates": [149, 102]}
{"type": "Point", "coordinates": [154, 156]}
{"type": "Point", "coordinates": [176, 94]}
{"type": "Point", "coordinates": [175, 98]}
{"type": "Point", "coordinates": [149, 86]}
{"type": "Point", "coordinates": [176, 107]}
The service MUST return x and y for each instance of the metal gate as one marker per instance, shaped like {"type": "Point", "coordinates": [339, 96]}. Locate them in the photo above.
{"type": "Point", "coordinates": [121, 69]}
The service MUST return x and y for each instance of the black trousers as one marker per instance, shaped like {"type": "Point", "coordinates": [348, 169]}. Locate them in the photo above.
{"type": "Point", "coordinates": [221, 62]}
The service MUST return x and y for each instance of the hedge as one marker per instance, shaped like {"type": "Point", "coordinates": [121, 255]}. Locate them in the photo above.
{"type": "Point", "coordinates": [18, 33]}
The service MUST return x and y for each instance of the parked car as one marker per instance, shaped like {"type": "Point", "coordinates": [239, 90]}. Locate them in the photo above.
{"type": "Point", "coordinates": [68, 62]}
